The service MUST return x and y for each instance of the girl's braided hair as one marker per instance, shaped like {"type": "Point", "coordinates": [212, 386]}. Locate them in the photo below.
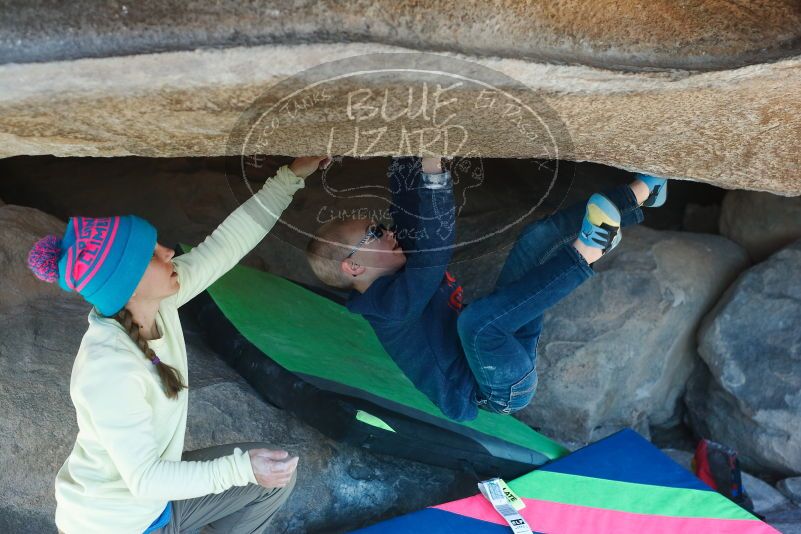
{"type": "Point", "coordinates": [170, 377]}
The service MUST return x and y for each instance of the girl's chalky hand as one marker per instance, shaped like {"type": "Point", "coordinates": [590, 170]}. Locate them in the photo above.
{"type": "Point", "coordinates": [273, 469]}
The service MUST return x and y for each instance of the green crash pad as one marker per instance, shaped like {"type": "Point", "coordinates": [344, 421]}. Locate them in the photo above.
{"type": "Point", "coordinates": [318, 341]}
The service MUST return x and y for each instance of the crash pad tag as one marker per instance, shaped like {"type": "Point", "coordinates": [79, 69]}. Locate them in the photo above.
{"type": "Point", "coordinates": [511, 496]}
{"type": "Point", "coordinates": [491, 490]}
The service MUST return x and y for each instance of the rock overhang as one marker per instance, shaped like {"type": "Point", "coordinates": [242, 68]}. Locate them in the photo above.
{"type": "Point", "coordinates": [737, 128]}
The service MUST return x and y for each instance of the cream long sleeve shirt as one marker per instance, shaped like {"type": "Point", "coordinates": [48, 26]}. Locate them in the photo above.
{"type": "Point", "coordinates": [126, 463]}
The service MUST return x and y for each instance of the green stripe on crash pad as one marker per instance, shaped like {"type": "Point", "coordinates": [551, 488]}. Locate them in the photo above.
{"type": "Point", "coordinates": [310, 334]}
{"type": "Point", "coordinates": [372, 420]}
{"type": "Point", "coordinates": [625, 496]}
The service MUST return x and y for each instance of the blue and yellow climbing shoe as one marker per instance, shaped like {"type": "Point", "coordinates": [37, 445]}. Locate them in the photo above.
{"type": "Point", "coordinates": [657, 188]}
{"type": "Point", "coordinates": [601, 225]}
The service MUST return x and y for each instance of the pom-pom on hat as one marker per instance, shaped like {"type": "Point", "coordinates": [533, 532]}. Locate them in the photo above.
{"type": "Point", "coordinates": [43, 258]}
{"type": "Point", "coordinates": [101, 258]}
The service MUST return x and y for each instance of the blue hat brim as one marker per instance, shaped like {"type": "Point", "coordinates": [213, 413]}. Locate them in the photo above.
{"type": "Point", "coordinates": [117, 289]}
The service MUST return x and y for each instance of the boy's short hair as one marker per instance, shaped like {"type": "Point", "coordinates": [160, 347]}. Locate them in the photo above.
{"type": "Point", "coordinates": [325, 255]}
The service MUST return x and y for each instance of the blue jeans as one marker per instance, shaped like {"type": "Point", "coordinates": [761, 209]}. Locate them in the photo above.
{"type": "Point", "coordinates": [499, 332]}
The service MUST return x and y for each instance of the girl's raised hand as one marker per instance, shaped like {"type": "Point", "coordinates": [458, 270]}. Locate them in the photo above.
{"type": "Point", "coordinates": [303, 167]}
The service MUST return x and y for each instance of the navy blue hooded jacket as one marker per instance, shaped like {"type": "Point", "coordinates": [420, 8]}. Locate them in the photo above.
{"type": "Point", "coordinates": [414, 311]}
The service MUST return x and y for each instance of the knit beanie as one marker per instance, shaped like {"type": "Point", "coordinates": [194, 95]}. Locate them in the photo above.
{"type": "Point", "coordinates": [102, 258]}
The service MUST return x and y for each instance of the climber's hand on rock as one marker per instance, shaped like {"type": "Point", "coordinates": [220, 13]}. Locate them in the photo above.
{"type": "Point", "coordinates": [273, 469]}
{"type": "Point", "coordinates": [432, 165]}
{"type": "Point", "coordinates": [303, 167]}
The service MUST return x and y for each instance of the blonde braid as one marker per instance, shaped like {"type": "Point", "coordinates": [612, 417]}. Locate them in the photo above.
{"type": "Point", "coordinates": [170, 377]}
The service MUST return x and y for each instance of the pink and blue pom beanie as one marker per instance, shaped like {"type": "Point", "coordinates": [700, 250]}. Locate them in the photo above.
{"type": "Point", "coordinates": [102, 258]}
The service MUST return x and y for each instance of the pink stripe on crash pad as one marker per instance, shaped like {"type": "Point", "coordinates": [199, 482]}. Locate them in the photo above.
{"type": "Point", "coordinates": [559, 518]}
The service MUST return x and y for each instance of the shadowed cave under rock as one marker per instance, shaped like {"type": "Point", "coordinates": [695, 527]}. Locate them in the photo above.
{"type": "Point", "coordinates": [186, 197]}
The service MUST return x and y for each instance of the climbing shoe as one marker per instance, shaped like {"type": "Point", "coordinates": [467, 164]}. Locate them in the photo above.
{"type": "Point", "coordinates": [657, 188]}
{"type": "Point", "coordinates": [601, 225]}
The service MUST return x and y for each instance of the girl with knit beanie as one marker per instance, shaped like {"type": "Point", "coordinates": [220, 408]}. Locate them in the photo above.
{"type": "Point", "coordinates": [125, 473]}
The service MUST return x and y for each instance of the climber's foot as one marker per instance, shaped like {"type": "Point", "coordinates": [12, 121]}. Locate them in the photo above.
{"type": "Point", "coordinates": [600, 228]}
{"type": "Point", "coordinates": [657, 190]}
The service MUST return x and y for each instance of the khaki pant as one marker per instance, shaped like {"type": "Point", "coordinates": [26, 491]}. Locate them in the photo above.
{"type": "Point", "coordinates": [239, 510]}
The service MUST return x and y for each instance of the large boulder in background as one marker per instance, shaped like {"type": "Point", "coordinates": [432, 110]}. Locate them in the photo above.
{"type": "Point", "coordinates": [38, 343]}
{"type": "Point", "coordinates": [20, 228]}
{"type": "Point", "coordinates": [748, 393]}
{"type": "Point", "coordinates": [618, 350]}
{"type": "Point", "coordinates": [791, 488]}
{"type": "Point", "coordinates": [762, 223]}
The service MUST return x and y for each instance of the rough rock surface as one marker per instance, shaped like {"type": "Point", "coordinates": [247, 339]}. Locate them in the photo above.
{"type": "Point", "coordinates": [769, 502]}
{"type": "Point", "coordinates": [747, 394]}
{"type": "Point", "coordinates": [785, 521]}
{"type": "Point", "coordinates": [791, 488]}
{"type": "Point", "coordinates": [733, 128]}
{"type": "Point", "coordinates": [760, 222]}
{"type": "Point", "coordinates": [702, 34]}
{"type": "Point", "coordinates": [20, 228]}
{"type": "Point", "coordinates": [618, 350]}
